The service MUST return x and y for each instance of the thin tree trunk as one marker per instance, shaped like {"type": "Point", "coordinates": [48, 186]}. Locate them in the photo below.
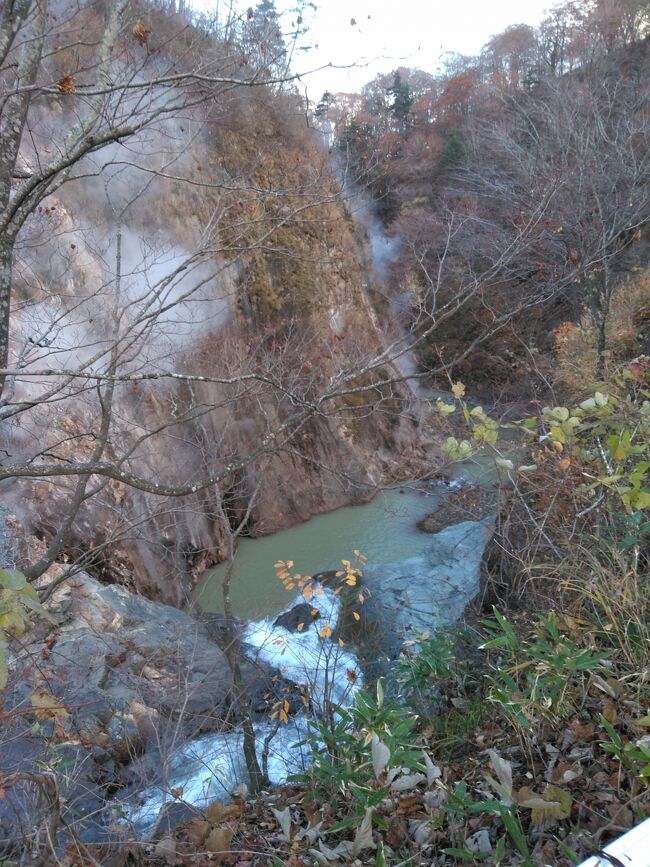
{"type": "Point", "coordinates": [601, 322]}
{"type": "Point", "coordinates": [601, 346]}
{"type": "Point", "coordinates": [258, 779]}
{"type": "Point", "coordinates": [6, 256]}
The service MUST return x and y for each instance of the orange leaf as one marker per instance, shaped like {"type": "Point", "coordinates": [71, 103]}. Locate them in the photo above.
{"type": "Point", "coordinates": [141, 32]}
{"type": "Point", "coordinates": [66, 84]}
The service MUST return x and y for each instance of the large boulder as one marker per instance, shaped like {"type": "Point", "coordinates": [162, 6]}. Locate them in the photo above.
{"type": "Point", "coordinates": [417, 595]}
{"type": "Point", "coordinates": [116, 688]}
{"type": "Point", "coordinates": [133, 653]}
{"type": "Point", "coordinates": [117, 677]}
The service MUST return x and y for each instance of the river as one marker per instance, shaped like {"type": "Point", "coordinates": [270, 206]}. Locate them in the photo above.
{"type": "Point", "coordinates": [384, 530]}
{"type": "Point", "coordinates": [417, 581]}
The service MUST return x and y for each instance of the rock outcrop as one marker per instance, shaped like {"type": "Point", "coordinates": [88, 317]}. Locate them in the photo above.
{"type": "Point", "coordinates": [417, 595]}
{"type": "Point", "coordinates": [114, 686]}
{"type": "Point", "coordinates": [297, 618]}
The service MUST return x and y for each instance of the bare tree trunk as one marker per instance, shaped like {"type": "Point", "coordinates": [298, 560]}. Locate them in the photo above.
{"type": "Point", "coordinates": [6, 255]}
{"type": "Point", "coordinates": [258, 779]}
{"type": "Point", "coordinates": [602, 315]}
{"type": "Point", "coordinates": [601, 345]}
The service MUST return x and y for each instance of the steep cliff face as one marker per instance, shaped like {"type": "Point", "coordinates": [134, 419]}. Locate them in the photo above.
{"type": "Point", "coordinates": [238, 268]}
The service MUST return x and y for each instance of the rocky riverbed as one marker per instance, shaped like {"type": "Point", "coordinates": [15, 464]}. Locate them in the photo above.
{"type": "Point", "coordinates": [131, 701]}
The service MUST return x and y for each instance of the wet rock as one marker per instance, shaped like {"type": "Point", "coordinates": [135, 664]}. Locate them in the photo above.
{"type": "Point", "coordinates": [217, 627]}
{"type": "Point", "coordinates": [297, 617]}
{"type": "Point", "coordinates": [470, 502]}
{"type": "Point", "coordinates": [418, 594]}
{"type": "Point", "coordinates": [329, 578]}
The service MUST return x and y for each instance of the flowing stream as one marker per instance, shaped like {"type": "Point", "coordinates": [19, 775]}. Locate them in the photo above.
{"type": "Point", "coordinates": [383, 529]}
{"type": "Point", "coordinates": [416, 581]}
{"type": "Point", "coordinates": [419, 581]}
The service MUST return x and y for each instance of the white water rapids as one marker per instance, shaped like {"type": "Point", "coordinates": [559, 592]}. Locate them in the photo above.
{"type": "Point", "coordinates": [211, 767]}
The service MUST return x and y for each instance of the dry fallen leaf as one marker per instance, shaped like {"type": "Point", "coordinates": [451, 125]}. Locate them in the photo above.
{"type": "Point", "coordinates": [408, 781]}
{"type": "Point", "coordinates": [283, 818]}
{"type": "Point", "coordinates": [46, 706]}
{"type": "Point", "coordinates": [166, 849]}
{"type": "Point", "coordinates": [546, 809]}
{"type": "Point", "coordinates": [503, 770]}
{"type": "Point", "coordinates": [66, 84]}
{"type": "Point", "coordinates": [582, 731]}
{"type": "Point", "coordinates": [620, 815]}
{"type": "Point", "coordinates": [409, 805]}
{"type": "Point", "coordinates": [609, 710]}
{"type": "Point", "coordinates": [219, 840]}
{"type": "Point", "coordinates": [433, 771]}
{"type": "Point", "coordinates": [141, 32]}
{"type": "Point", "coordinates": [218, 812]}
{"type": "Point", "coordinates": [198, 831]}
{"type": "Point", "coordinates": [606, 686]}
{"type": "Point", "coordinates": [311, 834]}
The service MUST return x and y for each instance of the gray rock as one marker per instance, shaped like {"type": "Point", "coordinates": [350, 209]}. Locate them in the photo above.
{"type": "Point", "coordinates": [130, 676]}
{"type": "Point", "coordinates": [423, 592]}
{"type": "Point", "coordinates": [302, 614]}
{"type": "Point", "coordinates": [136, 679]}
{"type": "Point", "coordinates": [117, 656]}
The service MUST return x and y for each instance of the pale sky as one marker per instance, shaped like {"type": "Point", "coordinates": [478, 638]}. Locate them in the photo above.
{"type": "Point", "coordinates": [391, 33]}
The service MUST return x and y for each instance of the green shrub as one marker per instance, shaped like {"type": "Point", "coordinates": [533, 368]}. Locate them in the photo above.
{"type": "Point", "coordinates": [354, 751]}
{"type": "Point", "coordinates": [541, 678]}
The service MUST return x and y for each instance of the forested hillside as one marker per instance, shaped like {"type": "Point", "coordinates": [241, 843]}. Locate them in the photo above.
{"type": "Point", "coordinates": [517, 182]}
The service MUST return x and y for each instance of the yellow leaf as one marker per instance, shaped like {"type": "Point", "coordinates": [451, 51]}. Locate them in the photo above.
{"type": "Point", "coordinates": [356, 615]}
{"type": "Point", "coordinates": [46, 706]}
{"type": "Point", "coordinates": [326, 631]}
{"type": "Point", "coordinates": [458, 390]}
{"type": "Point", "coordinates": [555, 805]}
